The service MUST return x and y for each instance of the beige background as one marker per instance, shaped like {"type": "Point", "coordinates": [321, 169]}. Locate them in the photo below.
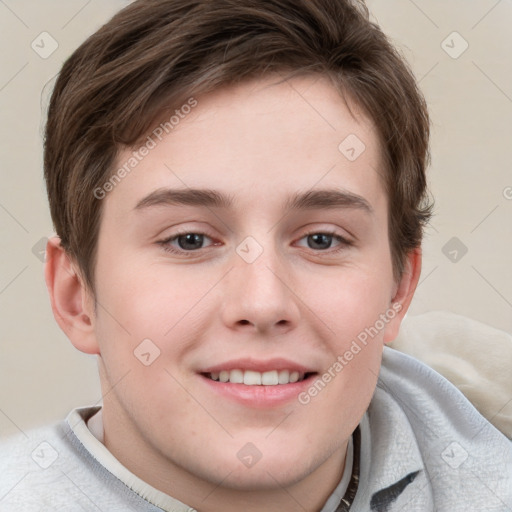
{"type": "Point", "coordinates": [42, 376]}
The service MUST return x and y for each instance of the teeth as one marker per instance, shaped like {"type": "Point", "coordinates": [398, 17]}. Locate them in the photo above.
{"type": "Point", "coordinates": [294, 376]}
{"type": "Point", "coordinates": [269, 378]}
{"type": "Point", "coordinates": [284, 377]}
{"type": "Point", "coordinates": [236, 376]}
{"type": "Point", "coordinates": [252, 378]}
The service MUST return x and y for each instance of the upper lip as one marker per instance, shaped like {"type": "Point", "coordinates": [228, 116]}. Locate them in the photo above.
{"type": "Point", "coordinates": [258, 365]}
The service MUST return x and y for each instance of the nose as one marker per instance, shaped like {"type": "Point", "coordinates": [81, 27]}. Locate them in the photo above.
{"type": "Point", "coordinates": [260, 296]}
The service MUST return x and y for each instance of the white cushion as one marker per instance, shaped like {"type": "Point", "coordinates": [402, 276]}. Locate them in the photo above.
{"type": "Point", "coordinates": [475, 357]}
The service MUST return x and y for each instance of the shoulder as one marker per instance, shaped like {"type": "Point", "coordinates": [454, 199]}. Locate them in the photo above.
{"type": "Point", "coordinates": [33, 465]}
{"type": "Point", "coordinates": [47, 469]}
{"type": "Point", "coordinates": [37, 448]}
{"type": "Point", "coordinates": [422, 415]}
{"type": "Point", "coordinates": [50, 469]}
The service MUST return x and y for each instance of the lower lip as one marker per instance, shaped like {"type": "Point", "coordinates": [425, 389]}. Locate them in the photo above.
{"type": "Point", "coordinates": [259, 396]}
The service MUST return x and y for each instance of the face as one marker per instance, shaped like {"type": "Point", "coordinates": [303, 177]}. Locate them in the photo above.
{"type": "Point", "coordinates": [268, 278]}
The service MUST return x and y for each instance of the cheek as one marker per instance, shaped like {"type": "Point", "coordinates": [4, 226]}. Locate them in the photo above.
{"type": "Point", "coordinates": [147, 299]}
{"type": "Point", "coordinates": [354, 344]}
{"type": "Point", "coordinates": [148, 314]}
{"type": "Point", "coordinates": [352, 301]}
{"type": "Point", "coordinates": [352, 307]}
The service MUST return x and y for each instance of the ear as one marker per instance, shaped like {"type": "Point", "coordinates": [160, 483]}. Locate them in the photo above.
{"type": "Point", "coordinates": [403, 294]}
{"type": "Point", "coordinates": [72, 304]}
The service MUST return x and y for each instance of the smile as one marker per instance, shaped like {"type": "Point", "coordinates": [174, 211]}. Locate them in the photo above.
{"type": "Point", "coordinates": [254, 378]}
{"type": "Point", "coordinates": [262, 384]}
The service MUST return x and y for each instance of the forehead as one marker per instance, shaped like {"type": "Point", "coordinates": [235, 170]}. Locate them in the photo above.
{"type": "Point", "coordinates": [258, 141]}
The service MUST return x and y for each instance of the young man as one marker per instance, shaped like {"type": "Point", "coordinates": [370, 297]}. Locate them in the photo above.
{"type": "Point", "coordinates": [238, 190]}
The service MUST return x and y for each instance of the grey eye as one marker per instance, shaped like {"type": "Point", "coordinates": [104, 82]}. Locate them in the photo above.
{"type": "Point", "coordinates": [320, 240]}
{"type": "Point", "coordinates": [190, 241]}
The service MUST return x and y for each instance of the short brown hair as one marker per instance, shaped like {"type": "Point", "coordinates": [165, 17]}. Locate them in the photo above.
{"type": "Point", "coordinates": [154, 54]}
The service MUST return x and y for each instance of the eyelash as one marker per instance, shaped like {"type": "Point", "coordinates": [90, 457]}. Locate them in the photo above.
{"type": "Point", "coordinates": [344, 243]}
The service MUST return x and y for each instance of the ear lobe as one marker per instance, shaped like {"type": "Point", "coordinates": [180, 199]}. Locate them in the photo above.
{"type": "Point", "coordinates": [71, 303]}
{"type": "Point", "coordinates": [404, 293]}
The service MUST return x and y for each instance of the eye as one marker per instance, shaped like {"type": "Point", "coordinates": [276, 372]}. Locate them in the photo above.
{"type": "Point", "coordinates": [187, 243]}
{"type": "Point", "coordinates": [190, 241]}
{"type": "Point", "coordinates": [184, 243]}
{"type": "Point", "coordinates": [322, 241]}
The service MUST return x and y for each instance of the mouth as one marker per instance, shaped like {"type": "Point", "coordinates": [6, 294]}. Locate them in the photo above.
{"type": "Point", "coordinates": [255, 378]}
{"type": "Point", "coordinates": [264, 384]}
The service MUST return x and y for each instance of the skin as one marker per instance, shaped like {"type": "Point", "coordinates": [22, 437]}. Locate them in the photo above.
{"type": "Point", "coordinates": [259, 142]}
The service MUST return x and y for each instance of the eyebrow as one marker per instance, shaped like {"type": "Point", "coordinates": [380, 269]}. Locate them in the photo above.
{"type": "Point", "coordinates": [310, 200]}
{"type": "Point", "coordinates": [186, 197]}
{"type": "Point", "coordinates": [329, 198]}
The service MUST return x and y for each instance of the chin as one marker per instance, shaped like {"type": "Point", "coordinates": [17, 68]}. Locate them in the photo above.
{"type": "Point", "coordinates": [248, 469]}
{"type": "Point", "coordinates": [263, 477]}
